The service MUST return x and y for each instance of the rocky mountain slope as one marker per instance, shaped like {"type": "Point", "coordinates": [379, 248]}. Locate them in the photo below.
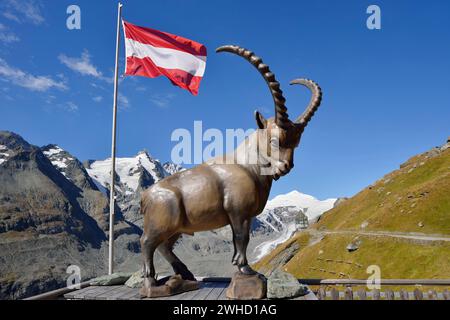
{"type": "Point", "coordinates": [400, 223]}
{"type": "Point", "coordinates": [54, 212]}
{"type": "Point", "coordinates": [51, 216]}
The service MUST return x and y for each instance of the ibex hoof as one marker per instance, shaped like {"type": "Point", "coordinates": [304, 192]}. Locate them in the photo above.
{"type": "Point", "coordinates": [245, 269]}
{"type": "Point", "coordinates": [167, 286]}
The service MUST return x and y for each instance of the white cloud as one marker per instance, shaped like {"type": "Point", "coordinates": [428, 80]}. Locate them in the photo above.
{"type": "Point", "coordinates": [97, 86]}
{"type": "Point", "coordinates": [23, 11]}
{"type": "Point", "coordinates": [162, 100]}
{"type": "Point", "coordinates": [27, 80]}
{"type": "Point", "coordinates": [11, 16]}
{"type": "Point", "coordinates": [50, 99]}
{"type": "Point", "coordinates": [81, 65]}
{"type": "Point", "coordinates": [70, 106]}
{"type": "Point", "coordinates": [7, 36]}
{"type": "Point", "coordinates": [97, 98]}
{"type": "Point", "coordinates": [122, 101]}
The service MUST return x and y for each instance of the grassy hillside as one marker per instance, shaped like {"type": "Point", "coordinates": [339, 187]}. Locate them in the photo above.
{"type": "Point", "coordinates": [415, 198]}
{"type": "Point", "coordinates": [397, 258]}
{"type": "Point", "coordinates": [400, 222]}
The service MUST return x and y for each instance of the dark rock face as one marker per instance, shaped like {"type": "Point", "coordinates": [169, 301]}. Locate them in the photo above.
{"type": "Point", "coordinates": [281, 259]}
{"type": "Point", "coordinates": [91, 200]}
{"type": "Point", "coordinates": [51, 216]}
{"type": "Point", "coordinates": [36, 197]}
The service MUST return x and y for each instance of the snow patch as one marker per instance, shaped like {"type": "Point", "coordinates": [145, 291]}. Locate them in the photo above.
{"type": "Point", "coordinates": [3, 155]}
{"type": "Point", "coordinates": [53, 151]}
{"type": "Point", "coordinates": [60, 164]}
{"type": "Point", "coordinates": [280, 216]}
{"type": "Point", "coordinates": [100, 187]}
{"type": "Point", "coordinates": [267, 246]}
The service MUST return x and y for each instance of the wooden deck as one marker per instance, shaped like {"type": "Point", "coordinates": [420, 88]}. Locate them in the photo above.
{"type": "Point", "coordinates": [214, 288]}
{"type": "Point", "coordinates": [209, 290]}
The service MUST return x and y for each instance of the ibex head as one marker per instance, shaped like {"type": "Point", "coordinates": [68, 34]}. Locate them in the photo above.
{"type": "Point", "coordinates": [283, 135]}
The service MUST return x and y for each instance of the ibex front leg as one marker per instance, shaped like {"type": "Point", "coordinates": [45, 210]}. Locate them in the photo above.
{"type": "Point", "coordinates": [241, 236]}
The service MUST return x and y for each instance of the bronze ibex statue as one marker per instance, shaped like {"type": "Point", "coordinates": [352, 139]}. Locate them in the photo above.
{"type": "Point", "coordinates": [217, 193]}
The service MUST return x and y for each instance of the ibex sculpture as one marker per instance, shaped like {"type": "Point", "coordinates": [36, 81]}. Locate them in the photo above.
{"type": "Point", "coordinates": [214, 194]}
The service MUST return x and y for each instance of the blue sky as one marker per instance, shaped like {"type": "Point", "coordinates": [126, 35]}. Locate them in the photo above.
{"type": "Point", "coordinates": [386, 92]}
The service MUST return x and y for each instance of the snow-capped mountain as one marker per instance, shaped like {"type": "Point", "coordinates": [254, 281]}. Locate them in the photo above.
{"type": "Point", "coordinates": [311, 206]}
{"type": "Point", "coordinates": [284, 215]}
{"type": "Point", "coordinates": [58, 157]}
{"type": "Point", "coordinates": [133, 174]}
{"type": "Point", "coordinates": [129, 171]}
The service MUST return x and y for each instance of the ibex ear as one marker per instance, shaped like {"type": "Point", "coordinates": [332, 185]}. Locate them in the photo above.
{"type": "Point", "coordinates": [260, 120]}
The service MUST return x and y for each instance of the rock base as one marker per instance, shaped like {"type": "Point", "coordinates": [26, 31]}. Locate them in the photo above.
{"type": "Point", "coordinates": [283, 285]}
{"type": "Point", "coordinates": [117, 278]}
{"type": "Point", "coordinates": [136, 280]}
{"type": "Point", "coordinates": [244, 287]}
{"type": "Point", "coordinates": [168, 286]}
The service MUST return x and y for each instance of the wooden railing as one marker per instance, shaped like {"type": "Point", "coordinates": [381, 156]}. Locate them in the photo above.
{"type": "Point", "coordinates": [347, 293]}
{"type": "Point", "coordinates": [383, 282]}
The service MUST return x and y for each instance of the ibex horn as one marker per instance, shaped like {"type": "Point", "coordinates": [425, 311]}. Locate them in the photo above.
{"type": "Point", "coordinates": [281, 116]}
{"type": "Point", "coordinates": [314, 103]}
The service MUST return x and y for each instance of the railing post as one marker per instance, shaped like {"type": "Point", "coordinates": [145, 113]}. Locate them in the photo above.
{"type": "Point", "coordinates": [390, 295]}
{"type": "Point", "coordinates": [334, 294]}
{"type": "Point", "coordinates": [404, 295]}
{"type": "Point", "coordinates": [376, 294]}
{"type": "Point", "coordinates": [418, 295]}
{"type": "Point", "coordinates": [432, 294]}
{"type": "Point", "coordinates": [362, 294]}
{"type": "Point", "coordinates": [446, 294]}
{"type": "Point", "coordinates": [348, 293]}
{"type": "Point", "coordinates": [322, 294]}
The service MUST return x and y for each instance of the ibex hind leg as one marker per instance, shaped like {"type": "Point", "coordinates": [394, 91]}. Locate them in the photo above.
{"type": "Point", "coordinates": [166, 250]}
{"type": "Point", "coordinates": [148, 247]}
{"type": "Point", "coordinates": [241, 237]}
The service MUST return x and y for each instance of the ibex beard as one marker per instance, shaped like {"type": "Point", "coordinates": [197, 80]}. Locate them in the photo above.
{"type": "Point", "coordinates": [217, 192]}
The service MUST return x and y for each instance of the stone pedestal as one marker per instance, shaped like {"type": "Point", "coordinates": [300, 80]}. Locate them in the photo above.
{"type": "Point", "coordinates": [244, 287]}
{"type": "Point", "coordinates": [168, 286]}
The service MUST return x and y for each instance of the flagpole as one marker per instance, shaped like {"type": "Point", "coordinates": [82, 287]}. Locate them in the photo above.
{"type": "Point", "coordinates": [113, 147]}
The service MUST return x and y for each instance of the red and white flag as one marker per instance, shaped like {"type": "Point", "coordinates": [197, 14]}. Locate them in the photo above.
{"type": "Point", "coordinates": [152, 53]}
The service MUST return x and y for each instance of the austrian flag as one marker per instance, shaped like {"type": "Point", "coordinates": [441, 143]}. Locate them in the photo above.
{"type": "Point", "coordinates": [152, 53]}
